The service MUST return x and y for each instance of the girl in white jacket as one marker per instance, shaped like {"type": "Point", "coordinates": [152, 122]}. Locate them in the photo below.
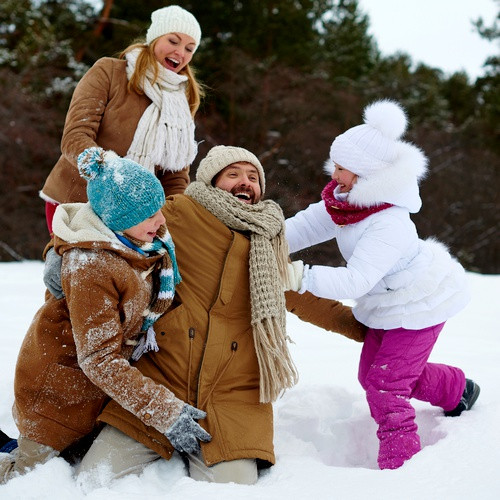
{"type": "Point", "coordinates": [405, 288]}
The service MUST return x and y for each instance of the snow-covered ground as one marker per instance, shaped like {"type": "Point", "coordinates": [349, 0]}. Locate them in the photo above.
{"type": "Point", "coordinates": [325, 439]}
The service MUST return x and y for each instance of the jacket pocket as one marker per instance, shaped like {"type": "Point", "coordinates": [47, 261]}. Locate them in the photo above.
{"type": "Point", "coordinates": [176, 319]}
{"type": "Point", "coordinates": [69, 398]}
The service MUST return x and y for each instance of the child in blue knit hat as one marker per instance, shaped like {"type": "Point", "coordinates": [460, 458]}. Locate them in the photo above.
{"type": "Point", "coordinates": [119, 274]}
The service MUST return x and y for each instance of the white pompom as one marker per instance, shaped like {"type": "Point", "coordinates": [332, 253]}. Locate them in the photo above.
{"type": "Point", "coordinates": [388, 117]}
{"type": "Point", "coordinates": [109, 156]}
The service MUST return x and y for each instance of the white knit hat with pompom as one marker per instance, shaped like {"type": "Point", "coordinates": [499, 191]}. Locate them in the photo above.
{"type": "Point", "coordinates": [366, 148]}
{"type": "Point", "coordinates": [388, 168]}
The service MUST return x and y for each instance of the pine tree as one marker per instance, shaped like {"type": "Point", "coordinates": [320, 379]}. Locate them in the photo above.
{"type": "Point", "coordinates": [39, 41]}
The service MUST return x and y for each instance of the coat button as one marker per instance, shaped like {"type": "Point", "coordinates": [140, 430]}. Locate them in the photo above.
{"type": "Point", "coordinates": [147, 416]}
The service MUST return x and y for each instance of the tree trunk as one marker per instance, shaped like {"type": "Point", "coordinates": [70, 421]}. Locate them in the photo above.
{"type": "Point", "coordinates": [103, 20]}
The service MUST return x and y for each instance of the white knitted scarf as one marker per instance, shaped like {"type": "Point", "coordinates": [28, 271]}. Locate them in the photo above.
{"type": "Point", "coordinates": [265, 224]}
{"type": "Point", "coordinates": [165, 133]}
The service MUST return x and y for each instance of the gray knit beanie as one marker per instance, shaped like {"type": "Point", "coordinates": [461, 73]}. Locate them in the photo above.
{"type": "Point", "coordinates": [220, 157]}
{"type": "Point", "coordinates": [173, 19]}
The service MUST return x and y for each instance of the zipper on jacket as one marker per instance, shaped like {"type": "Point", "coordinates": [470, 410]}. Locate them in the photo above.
{"type": "Point", "coordinates": [191, 340]}
{"type": "Point", "coordinates": [234, 348]}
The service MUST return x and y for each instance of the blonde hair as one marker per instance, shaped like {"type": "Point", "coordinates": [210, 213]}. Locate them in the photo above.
{"type": "Point", "coordinates": [146, 59]}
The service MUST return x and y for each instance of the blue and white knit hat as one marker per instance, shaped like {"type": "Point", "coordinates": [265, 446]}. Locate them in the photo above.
{"type": "Point", "coordinates": [120, 191]}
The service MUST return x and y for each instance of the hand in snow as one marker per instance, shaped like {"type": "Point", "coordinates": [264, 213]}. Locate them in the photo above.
{"type": "Point", "coordinates": [52, 273]}
{"type": "Point", "coordinates": [295, 274]}
{"type": "Point", "coordinates": [185, 432]}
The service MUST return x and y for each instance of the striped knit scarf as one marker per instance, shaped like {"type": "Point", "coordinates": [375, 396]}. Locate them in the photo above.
{"type": "Point", "coordinates": [165, 277]}
{"type": "Point", "coordinates": [265, 223]}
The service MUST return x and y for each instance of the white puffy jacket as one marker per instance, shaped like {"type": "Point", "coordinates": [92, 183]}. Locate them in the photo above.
{"type": "Point", "coordinates": [397, 279]}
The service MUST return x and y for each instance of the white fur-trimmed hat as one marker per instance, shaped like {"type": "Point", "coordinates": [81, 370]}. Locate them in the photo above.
{"type": "Point", "coordinates": [219, 157]}
{"type": "Point", "coordinates": [173, 19]}
{"type": "Point", "coordinates": [366, 148]}
{"type": "Point", "coordinates": [387, 167]}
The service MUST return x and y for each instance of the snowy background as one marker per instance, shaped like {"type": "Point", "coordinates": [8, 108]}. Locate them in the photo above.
{"type": "Point", "coordinates": [325, 439]}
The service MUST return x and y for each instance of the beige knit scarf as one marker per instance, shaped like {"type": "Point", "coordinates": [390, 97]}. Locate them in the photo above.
{"type": "Point", "coordinates": [265, 223]}
{"type": "Point", "coordinates": [165, 133]}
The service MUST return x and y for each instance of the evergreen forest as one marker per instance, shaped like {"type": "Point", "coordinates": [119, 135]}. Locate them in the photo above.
{"type": "Point", "coordinates": [282, 78]}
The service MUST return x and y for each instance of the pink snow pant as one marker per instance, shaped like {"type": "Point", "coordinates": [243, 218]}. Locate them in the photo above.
{"type": "Point", "coordinates": [392, 369]}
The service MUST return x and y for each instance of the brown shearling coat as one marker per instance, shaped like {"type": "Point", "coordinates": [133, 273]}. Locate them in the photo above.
{"type": "Point", "coordinates": [56, 402]}
{"type": "Point", "coordinates": [102, 113]}
{"type": "Point", "coordinates": [207, 355]}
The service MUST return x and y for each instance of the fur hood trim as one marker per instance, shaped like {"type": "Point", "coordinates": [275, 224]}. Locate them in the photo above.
{"type": "Point", "coordinates": [388, 168]}
{"type": "Point", "coordinates": [396, 184]}
{"type": "Point", "coordinates": [77, 223]}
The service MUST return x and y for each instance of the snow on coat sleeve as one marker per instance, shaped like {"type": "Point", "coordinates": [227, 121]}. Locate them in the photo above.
{"type": "Point", "coordinates": [85, 112]}
{"type": "Point", "coordinates": [309, 227]}
{"type": "Point", "coordinates": [93, 288]}
{"type": "Point", "coordinates": [383, 238]}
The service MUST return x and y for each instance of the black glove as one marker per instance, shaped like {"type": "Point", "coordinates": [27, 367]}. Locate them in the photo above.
{"type": "Point", "coordinates": [185, 432]}
{"type": "Point", "coordinates": [52, 273]}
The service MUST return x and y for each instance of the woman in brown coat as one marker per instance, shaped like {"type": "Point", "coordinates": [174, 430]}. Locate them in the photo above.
{"type": "Point", "coordinates": [141, 106]}
{"type": "Point", "coordinates": [116, 251]}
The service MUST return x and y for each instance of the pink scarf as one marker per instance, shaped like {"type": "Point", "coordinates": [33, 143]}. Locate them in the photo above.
{"type": "Point", "coordinates": [342, 212]}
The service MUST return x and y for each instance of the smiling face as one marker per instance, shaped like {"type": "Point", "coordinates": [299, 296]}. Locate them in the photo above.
{"type": "Point", "coordinates": [241, 179]}
{"type": "Point", "coordinates": [345, 178]}
{"type": "Point", "coordinates": [174, 51]}
{"type": "Point", "coordinates": [146, 230]}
